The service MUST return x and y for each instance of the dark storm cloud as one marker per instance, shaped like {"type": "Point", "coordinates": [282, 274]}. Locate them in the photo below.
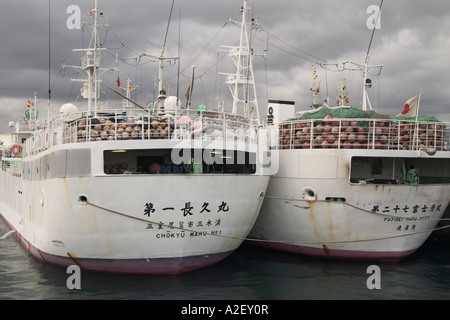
{"type": "Point", "coordinates": [412, 44]}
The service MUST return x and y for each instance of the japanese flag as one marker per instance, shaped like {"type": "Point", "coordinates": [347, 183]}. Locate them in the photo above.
{"type": "Point", "coordinates": [410, 108]}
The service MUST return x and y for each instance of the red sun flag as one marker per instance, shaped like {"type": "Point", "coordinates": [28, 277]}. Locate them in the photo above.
{"type": "Point", "coordinates": [410, 108]}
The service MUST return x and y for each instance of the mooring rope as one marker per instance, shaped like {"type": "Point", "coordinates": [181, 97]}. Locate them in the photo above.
{"type": "Point", "coordinates": [175, 227]}
{"type": "Point", "coordinates": [7, 234]}
{"type": "Point", "coordinates": [263, 240]}
{"type": "Point", "coordinates": [353, 206]}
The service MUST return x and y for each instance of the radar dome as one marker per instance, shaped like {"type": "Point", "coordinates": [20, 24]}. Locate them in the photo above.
{"type": "Point", "coordinates": [171, 103]}
{"type": "Point", "coordinates": [69, 112]}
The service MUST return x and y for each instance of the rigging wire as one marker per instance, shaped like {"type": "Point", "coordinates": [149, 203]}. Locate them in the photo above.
{"type": "Point", "coordinates": [49, 54]}
{"type": "Point", "coordinates": [204, 48]}
{"type": "Point", "coordinates": [168, 24]}
{"type": "Point", "coordinates": [295, 48]}
{"type": "Point", "coordinates": [181, 71]}
{"type": "Point", "coordinates": [179, 53]}
{"type": "Point", "coordinates": [169, 226]}
{"type": "Point", "coordinates": [374, 27]}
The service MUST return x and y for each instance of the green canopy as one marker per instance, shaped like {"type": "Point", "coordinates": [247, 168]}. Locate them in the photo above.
{"type": "Point", "coordinates": [419, 118]}
{"type": "Point", "coordinates": [342, 112]}
{"type": "Point", "coordinates": [354, 113]}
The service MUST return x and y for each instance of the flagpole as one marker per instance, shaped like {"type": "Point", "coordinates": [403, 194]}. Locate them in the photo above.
{"type": "Point", "coordinates": [417, 117]}
{"type": "Point", "coordinates": [49, 66]}
{"type": "Point", "coordinates": [418, 105]}
{"type": "Point", "coordinates": [191, 87]}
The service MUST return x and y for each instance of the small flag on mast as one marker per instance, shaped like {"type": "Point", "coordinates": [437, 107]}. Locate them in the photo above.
{"type": "Point", "coordinates": [29, 104]}
{"type": "Point", "coordinates": [188, 94]}
{"type": "Point", "coordinates": [118, 81]}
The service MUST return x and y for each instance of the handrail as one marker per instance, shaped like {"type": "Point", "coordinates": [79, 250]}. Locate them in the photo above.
{"type": "Point", "coordinates": [137, 124]}
{"type": "Point", "coordinates": [339, 133]}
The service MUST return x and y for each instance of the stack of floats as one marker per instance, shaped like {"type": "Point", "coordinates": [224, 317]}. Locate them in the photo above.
{"type": "Point", "coordinates": [333, 132]}
{"type": "Point", "coordinates": [123, 129]}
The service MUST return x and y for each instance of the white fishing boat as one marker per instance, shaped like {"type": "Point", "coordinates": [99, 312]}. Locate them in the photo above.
{"type": "Point", "coordinates": [161, 190]}
{"type": "Point", "coordinates": [353, 183]}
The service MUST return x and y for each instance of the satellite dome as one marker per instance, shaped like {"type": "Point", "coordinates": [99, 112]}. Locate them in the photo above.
{"type": "Point", "coordinates": [68, 108]}
{"type": "Point", "coordinates": [172, 103]}
{"type": "Point", "coordinates": [69, 112]}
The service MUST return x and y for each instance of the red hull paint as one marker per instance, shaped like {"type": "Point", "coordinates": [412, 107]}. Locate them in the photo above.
{"type": "Point", "coordinates": [169, 266]}
{"type": "Point", "coordinates": [337, 254]}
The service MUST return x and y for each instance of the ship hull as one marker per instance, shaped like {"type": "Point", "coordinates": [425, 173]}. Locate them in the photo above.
{"type": "Point", "coordinates": [158, 224]}
{"type": "Point", "coordinates": [312, 208]}
{"type": "Point", "coordinates": [170, 266]}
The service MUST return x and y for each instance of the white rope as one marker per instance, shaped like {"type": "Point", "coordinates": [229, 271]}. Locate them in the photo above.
{"type": "Point", "coordinates": [266, 240]}
{"type": "Point", "coordinates": [7, 234]}
{"type": "Point", "coordinates": [356, 207]}
{"type": "Point", "coordinates": [170, 226]}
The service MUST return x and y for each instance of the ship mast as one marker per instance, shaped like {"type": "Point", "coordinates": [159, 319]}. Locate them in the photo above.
{"type": "Point", "coordinates": [366, 69]}
{"type": "Point", "coordinates": [368, 82]}
{"type": "Point", "coordinates": [161, 92]}
{"type": "Point", "coordinates": [367, 85]}
{"type": "Point", "coordinates": [315, 89]}
{"type": "Point", "coordinates": [90, 62]}
{"type": "Point", "coordinates": [342, 86]}
{"type": "Point", "coordinates": [242, 83]}
{"type": "Point", "coordinates": [159, 106]}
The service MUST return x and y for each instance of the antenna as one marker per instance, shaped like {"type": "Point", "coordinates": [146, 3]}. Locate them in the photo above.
{"type": "Point", "coordinates": [368, 82]}
{"type": "Point", "coordinates": [315, 89]}
{"type": "Point", "coordinates": [90, 62]}
{"type": "Point", "coordinates": [49, 65]}
{"type": "Point", "coordinates": [161, 92]}
{"type": "Point", "coordinates": [240, 82]}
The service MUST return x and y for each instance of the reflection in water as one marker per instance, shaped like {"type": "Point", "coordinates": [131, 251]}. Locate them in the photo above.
{"type": "Point", "coordinates": [251, 273]}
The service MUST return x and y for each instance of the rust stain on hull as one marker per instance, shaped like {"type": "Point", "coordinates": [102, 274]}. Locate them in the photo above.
{"type": "Point", "coordinates": [313, 220]}
{"type": "Point", "coordinates": [326, 250]}
{"type": "Point", "coordinates": [74, 260]}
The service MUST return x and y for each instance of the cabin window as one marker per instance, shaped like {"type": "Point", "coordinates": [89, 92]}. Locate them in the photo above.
{"type": "Point", "coordinates": [164, 161]}
{"type": "Point", "coordinates": [386, 170]}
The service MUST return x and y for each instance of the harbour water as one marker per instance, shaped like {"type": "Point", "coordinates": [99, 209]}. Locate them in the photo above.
{"type": "Point", "coordinates": [251, 273]}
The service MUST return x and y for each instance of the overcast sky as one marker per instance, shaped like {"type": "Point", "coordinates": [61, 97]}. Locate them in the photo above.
{"type": "Point", "coordinates": [412, 44]}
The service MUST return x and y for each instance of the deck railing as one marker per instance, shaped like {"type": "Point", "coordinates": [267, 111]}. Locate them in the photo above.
{"type": "Point", "coordinates": [117, 125]}
{"type": "Point", "coordinates": [363, 134]}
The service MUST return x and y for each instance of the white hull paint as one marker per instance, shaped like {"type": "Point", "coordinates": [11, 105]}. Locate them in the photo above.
{"type": "Point", "coordinates": [137, 223]}
{"type": "Point", "coordinates": [312, 208]}
{"type": "Point", "coordinates": [110, 190]}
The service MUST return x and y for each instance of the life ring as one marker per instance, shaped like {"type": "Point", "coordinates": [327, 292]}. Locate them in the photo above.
{"type": "Point", "coordinates": [16, 149]}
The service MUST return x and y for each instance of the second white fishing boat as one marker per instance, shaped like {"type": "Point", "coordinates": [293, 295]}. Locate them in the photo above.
{"type": "Point", "coordinates": [353, 183]}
